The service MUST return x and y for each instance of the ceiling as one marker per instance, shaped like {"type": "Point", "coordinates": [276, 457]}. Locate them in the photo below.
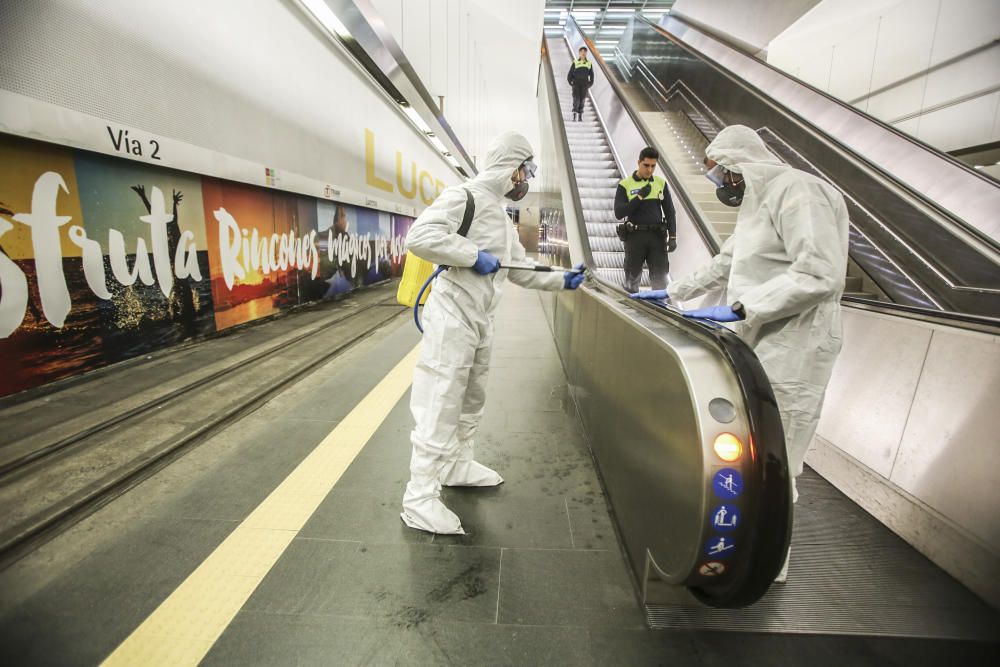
{"type": "Point", "coordinates": [603, 21]}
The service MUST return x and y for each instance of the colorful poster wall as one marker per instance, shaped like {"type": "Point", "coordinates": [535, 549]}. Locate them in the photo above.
{"type": "Point", "coordinates": [103, 259]}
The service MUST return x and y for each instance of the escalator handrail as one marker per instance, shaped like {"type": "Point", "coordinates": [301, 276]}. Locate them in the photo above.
{"type": "Point", "coordinates": [941, 317]}
{"type": "Point", "coordinates": [890, 180]}
{"type": "Point", "coordinates": [693, 212]}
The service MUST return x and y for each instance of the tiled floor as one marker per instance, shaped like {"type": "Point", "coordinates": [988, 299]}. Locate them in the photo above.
{"type": "Point", "coordinates": [540, 564]}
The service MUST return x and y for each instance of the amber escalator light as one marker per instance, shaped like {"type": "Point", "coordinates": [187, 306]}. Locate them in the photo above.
{"type": "Point", "coordinates": [728, 447]}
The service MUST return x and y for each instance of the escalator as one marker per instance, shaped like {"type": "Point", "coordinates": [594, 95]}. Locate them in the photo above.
{"type": "Point", "coordinates": [624, 385]}
{"type": "Point", "coordinates": [597, 173]}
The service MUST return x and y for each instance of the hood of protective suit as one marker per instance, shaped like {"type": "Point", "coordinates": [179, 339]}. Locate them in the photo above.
{"type": "Point", "coordinates": [505, 154]}
{"type": "Point", "coordinates": [738, 145]}
{"type": "Point", "coordinates": [741, 150]}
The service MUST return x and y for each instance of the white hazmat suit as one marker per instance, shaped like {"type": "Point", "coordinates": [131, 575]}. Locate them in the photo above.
{"type": "Point", "coordinates": [449, 381]}
{"type": "Point", "coordinates": [786, 264]}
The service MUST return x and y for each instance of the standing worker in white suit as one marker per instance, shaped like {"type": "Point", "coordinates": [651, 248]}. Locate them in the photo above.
{"type": "Point", "coordinates": [783, 271]}
{"type": "Point", "coordinates": [449, 381]}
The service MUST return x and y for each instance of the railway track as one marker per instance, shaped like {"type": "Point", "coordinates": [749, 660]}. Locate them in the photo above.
{"type": "Point", "coordinates": [47, 486]}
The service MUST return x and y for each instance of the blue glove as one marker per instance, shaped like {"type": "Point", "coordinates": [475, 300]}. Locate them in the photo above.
{"type": "Point", "coordinates": [715, 313]}
{"type": "Point", "coordinates": [651, 294]}
{"type": "Point", "coordinates": [574, 280]}
{"type": "Point", "coordinates": [486, 263]}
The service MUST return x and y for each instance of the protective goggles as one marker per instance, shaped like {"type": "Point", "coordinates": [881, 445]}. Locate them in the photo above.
{"type": "Point", "coordinates": [530, 168]}
{"type": "Point", "coordinates": [717, 175]}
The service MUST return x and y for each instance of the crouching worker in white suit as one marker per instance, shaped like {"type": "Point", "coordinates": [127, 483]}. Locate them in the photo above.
{"type": "Point", "coordinates": [783, 271]}
{"type": "Point", "coordinates": [449, 381]}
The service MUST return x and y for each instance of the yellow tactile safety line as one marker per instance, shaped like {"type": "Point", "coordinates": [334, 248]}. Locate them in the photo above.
{"type": "Point", "coordinates": [186, 625]}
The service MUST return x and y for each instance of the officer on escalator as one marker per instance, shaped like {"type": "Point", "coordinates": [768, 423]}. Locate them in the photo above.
{"type": "Point", "coordinates": [650, 231]}
{"type": "Point", "coordinates": [581, 77]}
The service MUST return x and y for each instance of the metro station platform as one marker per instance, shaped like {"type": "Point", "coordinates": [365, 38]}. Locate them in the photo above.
{"type": "Point", "coordinates": [274, 538]}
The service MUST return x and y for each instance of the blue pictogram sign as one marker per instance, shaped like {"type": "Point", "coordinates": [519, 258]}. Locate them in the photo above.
{"type": "Point", "coordinates": [728, 483]}
{"type": "Point", "coordinates": [725, 518]}
{"type": "Point", "coordinates": [720, 547]}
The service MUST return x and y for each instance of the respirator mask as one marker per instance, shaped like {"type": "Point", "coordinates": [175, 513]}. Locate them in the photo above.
{"type": "Point", "coordinates": [520, 188]}
{"type": "Point", "coordinates": [727, 193]}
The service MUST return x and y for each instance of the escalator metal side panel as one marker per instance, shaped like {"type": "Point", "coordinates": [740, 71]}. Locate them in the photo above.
{"type": "Point", "coordinates": [644, 389]}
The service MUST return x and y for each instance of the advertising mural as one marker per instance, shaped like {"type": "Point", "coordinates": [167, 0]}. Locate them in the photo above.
{"type": "Point", "coordinates": [104, 259]}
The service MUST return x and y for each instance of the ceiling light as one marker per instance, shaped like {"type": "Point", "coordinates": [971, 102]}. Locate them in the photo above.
{"type": "Point", "coordinates": [437, 143]}
{"type": "Point", "coordinates": [327, 18]}
{"type": "Point", "coordinates": [415, 117]}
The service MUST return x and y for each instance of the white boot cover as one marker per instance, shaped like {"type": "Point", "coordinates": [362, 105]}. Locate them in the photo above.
{"type": "Point", "coordinates": [464, 471]}
{"type": "Point", "coordinates": [422, 506]}
{"type": "Point", "coordinates": [783, 575]}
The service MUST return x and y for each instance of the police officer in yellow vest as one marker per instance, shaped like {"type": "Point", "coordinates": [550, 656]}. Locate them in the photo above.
{"type": "Point", "coordinates": [651, 229]}
{"type": "Point", "coordinates": [581, 77]}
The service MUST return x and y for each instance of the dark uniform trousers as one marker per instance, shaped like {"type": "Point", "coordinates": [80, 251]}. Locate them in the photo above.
{"type": "Point", "coordinates": [646, 247]}
{"type": "Point", "coordinates": [579, 95]}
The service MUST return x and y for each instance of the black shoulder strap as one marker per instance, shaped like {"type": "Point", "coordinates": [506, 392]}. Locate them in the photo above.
{"type": "Point", "coordinates": [470, 212]}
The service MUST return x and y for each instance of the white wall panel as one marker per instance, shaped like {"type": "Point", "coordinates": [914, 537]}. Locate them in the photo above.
{"type": "Point", "coordinates": [873, 387]}
{"type": "Point", "coordinates": [978, 72]}
{"type": "Point", "coordinates": [391, 13]}
{"type": "Point", "coordinates": [996, 123]}
{"type": "Point", "coordinates": [905, 38]}
{"type": "Point", "coordinates": [816, 70]}
{"type": "Point", "coordinates": [439, 64]}
{"type": "Point", "coordinates": [963, 25]}
{"type": "Point", "coordinates": [898, 102]}
{"type": "Point", "coordinates": [753, 23]}
{"type": "Point", "coordinates": [912, 35]}
{"type": "Point", "coordinates": [481, 55]}
{"type": "Point", "coordinates": [910, 126]}
{"type": "Point", "coordinates": [949, 458]}
{"type": "Point", "coordinates": [416, 37]}
{"type": "Point", "coordinates": [960, 125]}
{"type": "Point", "coordinates": [852, 61]}
{"type": "Point", "coordinates": [909, 433]}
